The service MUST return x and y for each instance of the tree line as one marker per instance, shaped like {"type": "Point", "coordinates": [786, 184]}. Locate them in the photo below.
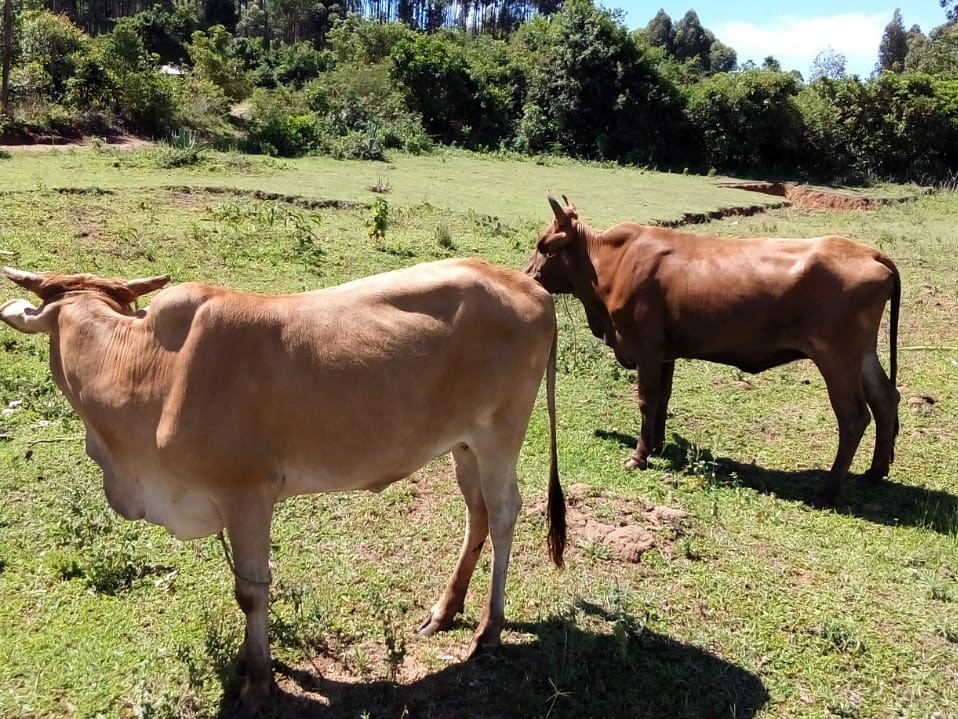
{"type": "Point", "coordinates": [361, 77]}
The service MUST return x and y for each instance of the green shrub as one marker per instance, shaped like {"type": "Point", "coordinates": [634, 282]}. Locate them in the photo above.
{"type": "Point", "coordinates": [201, 106]}
{"type": "Point", "coordinates": [54, 46]}
{"type": "Point", "coordinates": [214, 59]}
{"type": "Point", "coordinates": [362, 114]}
{"type": "Point", "coordinates": [747, 121]}
{"type": "Point", "coordinates": [285, 135]}
{"type": "Point", "coordinates": [181, 149]}
{"type": "Point", "coordinates": [356, 145]}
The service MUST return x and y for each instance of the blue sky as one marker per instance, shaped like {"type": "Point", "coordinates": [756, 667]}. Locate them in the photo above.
{"type": "Point", "coordinates": [794, 32]}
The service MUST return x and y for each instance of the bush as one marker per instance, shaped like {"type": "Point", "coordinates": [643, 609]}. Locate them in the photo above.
{"type": "Point", "coordinates": [142, 97]}
{"type": "Point", "coordinates": [53, 46]}
{"type": "Point", "coordinates": [281, 125]}
{"type": "Point", "coordinates": [215, 61]}
{"type": "Point", "coordinates": [167, 33]}
{"type": "Point", "coordinates": [363, 114]}
{"type": "Point", "coordinates": [435, 79]}
{"type": "Point", "coordinates": [201, 106]}
{"type": "Point", "coordinates": [747, 121]}
{"type": "Point", "coordinates": [181, 149]}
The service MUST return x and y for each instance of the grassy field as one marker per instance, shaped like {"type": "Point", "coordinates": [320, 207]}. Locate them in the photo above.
{"type": "Point", "coordinates": [749, 604]}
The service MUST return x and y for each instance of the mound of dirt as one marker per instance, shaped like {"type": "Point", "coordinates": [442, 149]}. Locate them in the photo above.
{"type": "Point", "coordinates": [815, 198]}
{"type": "Point", "coordinates": [629, 527]}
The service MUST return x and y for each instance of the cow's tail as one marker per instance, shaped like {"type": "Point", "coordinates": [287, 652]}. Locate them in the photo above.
{"type": "Point", "coordinates": [556, 503]}
{"type": "Point", "coordinates": [893, 337]}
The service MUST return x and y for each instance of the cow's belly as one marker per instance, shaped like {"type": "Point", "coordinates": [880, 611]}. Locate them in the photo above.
{"type": "Point", "coordinates": [370, 468]}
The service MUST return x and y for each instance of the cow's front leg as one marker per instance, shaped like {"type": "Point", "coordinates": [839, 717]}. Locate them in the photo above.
{"type": "Point", "coordinates": [649, 388]}
{"type": "Point", "coordinates": [248, 529]}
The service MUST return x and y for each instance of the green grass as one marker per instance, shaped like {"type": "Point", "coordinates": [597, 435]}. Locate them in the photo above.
{"type": "Point", "coordinates": [510, 189]}
{"type": "Point", "coordinates": [756, 605]}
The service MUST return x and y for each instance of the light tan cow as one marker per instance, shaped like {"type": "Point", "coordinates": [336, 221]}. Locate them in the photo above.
{"type": "Point", "coordinates": [656, 295]}
{"type": "Point", "coordinates": [210, 406]}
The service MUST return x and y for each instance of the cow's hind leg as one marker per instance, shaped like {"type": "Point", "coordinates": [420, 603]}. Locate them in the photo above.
{"type": "Point", "coordinates": [451, 602]}
{"type": "Point", "coordinates": [847, 396]}
{"type": "Point", "coordinates": [662, 412]}
{"type": "Point", "coordinates": [497, 473]}
{"type": "Point", "coordinates": [882, 397]}
{"type": "Point", "coordinates": [650, 387]}
{"type": "Point", "coordinates": [248, 527]}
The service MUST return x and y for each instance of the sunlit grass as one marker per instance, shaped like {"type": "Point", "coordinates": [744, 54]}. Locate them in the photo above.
{"type": "Point", "coordinates": [756, 606]}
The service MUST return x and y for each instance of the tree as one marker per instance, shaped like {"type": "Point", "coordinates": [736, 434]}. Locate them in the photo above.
{"type": "Point", "coordinates": [661, 33]}
{"type": "Point", "coordinates": [722, 58]}
{"type": "Point", "coordinates": [951, 9]}
{"type": "Point", "coordinates": [936, 54]}
{"type": "Point", "coordinates": [691, 41]}
{"type": "Point", "coordinates": [828, 65]}
{"type": "Point", "coordinates": [7, 56]}
{"type": "Point", "coordinates": [592, 92]}
{"type": "Point", "coordinates": [771, 63]}
{"type": "Point", "coordinates": [894, 46]}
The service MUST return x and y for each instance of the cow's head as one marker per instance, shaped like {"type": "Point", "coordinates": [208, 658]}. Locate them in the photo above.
{"type": "Point", "coordinates": [555, 261]}
{"type": "Point", "coordinates": [55, 288]}
{"type": "Point", "coordinates": [562, 264]}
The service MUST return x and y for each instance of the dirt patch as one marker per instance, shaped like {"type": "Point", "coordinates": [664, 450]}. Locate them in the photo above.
{"type": "Point", "coordinates": [629, 527]}
{"type": "Point", "coordinates": [295, 200]}
{"type": "Point", "coordinates": [792, 194]}
{"type": "Point", "coordinates": [46, 144]}
{"type": "Point", "coordinates": [815, 198]}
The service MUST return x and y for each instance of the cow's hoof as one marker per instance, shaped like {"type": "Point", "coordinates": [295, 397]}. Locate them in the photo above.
{"type": "Point", "coordinates": [823, 500]}
{"type": "Point", "coordinates": [483, 648]}
{"type": "Point", "coordinates": [873, 476]}
{"type": "Point", "coordinates": [252, 699]}
{"type": "Point", "coordinates": [434, 623]}
{"type": "Point", "coordinates": [634, 462]}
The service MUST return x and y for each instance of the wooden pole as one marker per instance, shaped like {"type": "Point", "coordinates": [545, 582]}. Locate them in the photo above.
{"type": "Point", "coordinates": [7, 56]}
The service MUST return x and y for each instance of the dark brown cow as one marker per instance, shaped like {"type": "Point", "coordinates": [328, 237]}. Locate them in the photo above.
{"type": "Point", "coordinates": [656, 295]}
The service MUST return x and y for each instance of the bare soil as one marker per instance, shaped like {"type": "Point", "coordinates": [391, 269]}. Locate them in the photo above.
{"type": "Point", "coordinates": [46, 144]}
{"type": "Point", "coordinates": [814, 198]}
{"type": "Point", "coordinates": [629, 527]}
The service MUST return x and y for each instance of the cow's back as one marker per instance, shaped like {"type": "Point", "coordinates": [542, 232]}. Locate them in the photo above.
{"type": "Point", "coordinates": [748, 302]}
{"type": "Point", "coordinates": [357, 385]}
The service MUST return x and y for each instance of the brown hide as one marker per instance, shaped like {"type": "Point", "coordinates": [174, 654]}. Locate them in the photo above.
{"type": "Point", "coordinates": [211, 405]}
{"type": "Point", "coordinates": [655, 295]}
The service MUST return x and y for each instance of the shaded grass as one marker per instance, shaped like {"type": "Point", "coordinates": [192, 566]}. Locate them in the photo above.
{"type": "Point", "coordinates": [762, 607]}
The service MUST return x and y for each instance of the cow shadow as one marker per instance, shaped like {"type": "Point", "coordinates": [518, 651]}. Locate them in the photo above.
{"type": "Point", "coordinates": [886, 502]}
{"type": "Point", "coordinates": [624, 672]}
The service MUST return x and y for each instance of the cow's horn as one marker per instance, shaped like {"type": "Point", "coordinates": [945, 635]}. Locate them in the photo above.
{"type": "Point", "coordinates": [557, 208]}
{"type": "Point", "coordinates": [145, 285]}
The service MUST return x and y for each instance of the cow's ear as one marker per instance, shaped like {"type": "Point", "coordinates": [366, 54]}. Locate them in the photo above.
{"type": "Point", "coordinates": [553, 242]}
{"type": "Point", "coordinates": [23, 316]}
{"type": "Point", "coordinates": [571, 212]}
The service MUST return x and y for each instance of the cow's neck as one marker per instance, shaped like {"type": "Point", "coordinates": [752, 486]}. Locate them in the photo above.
{"type": "Point", "coordinates": [600, 248]}
{"type": "Point", "coordinates": [98, 356]}
{"type": "Point", "coordinates": [591, 291]}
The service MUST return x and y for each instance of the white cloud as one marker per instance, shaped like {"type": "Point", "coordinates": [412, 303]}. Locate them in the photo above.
{"type": "Point", "coordinates": [795, 42]}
